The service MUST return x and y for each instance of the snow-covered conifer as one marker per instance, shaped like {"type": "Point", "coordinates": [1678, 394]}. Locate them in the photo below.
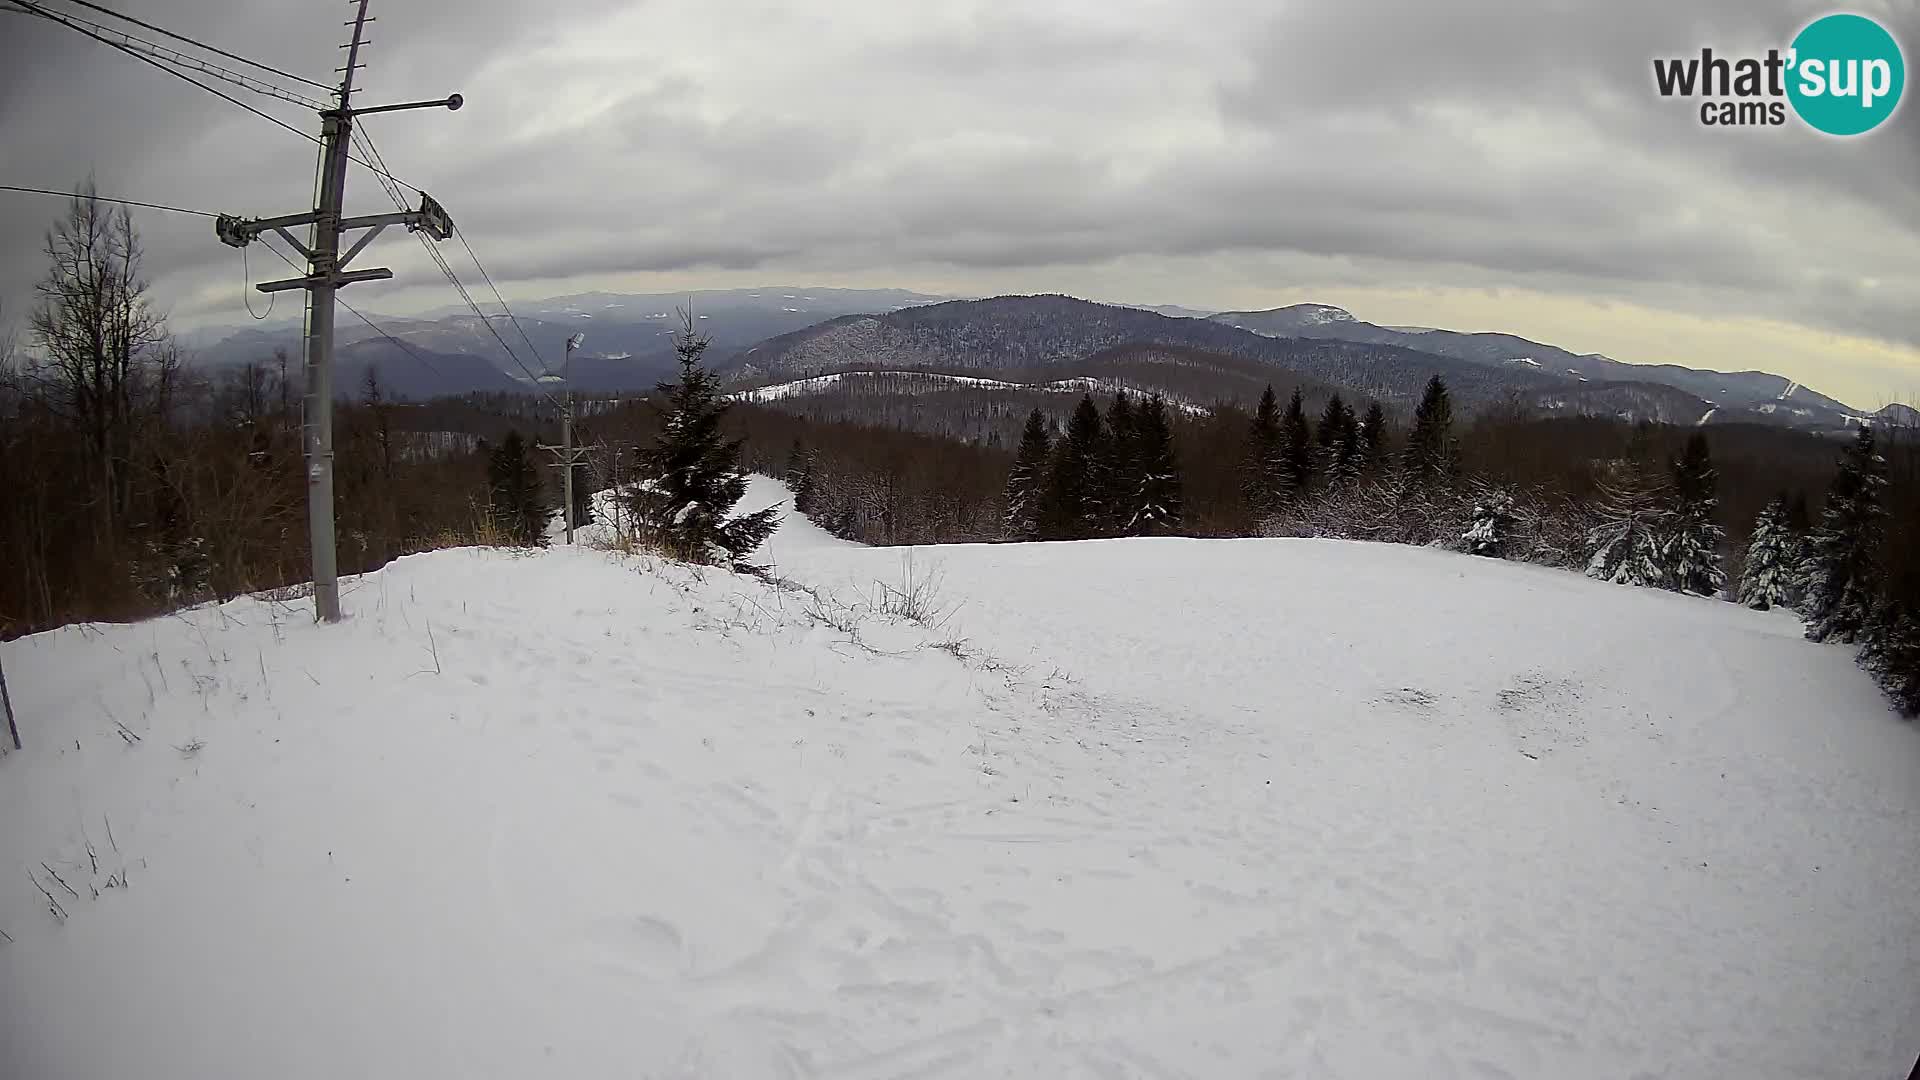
{"type": "Point", "coordinates": [1694, 537]}
{"type": "Point", "coordinates": [1072, 508]}
{"type": "Point", "coordinates": [1767, 578]}
{"type": "Point", "coordinates": [691, 478]}
{"type": "Point", "coordinates": [1627, 546]}
{"type": "Point", "coordinates": [1846, 548]}
{"type": "Point", "coordinates": [1027, 479]}
{"type": "Point", "coordinates": [1155, 503]}
{"type": "Point", "coordinates": [1294, 470]}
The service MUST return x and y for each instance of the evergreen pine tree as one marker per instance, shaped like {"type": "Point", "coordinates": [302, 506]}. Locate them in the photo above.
{"type": "Point", "coordinates": [800, 478]}
{"type": "Point", "coordinates": [1492, 525]}
{"type": "Point", "coordinates": [1156, 503]}
{"type": "Point", "coordinates": [1431, 453]}
{"type": "Point", "coordinates": [690, 478]}
{"type": "Point", "coordinates": [1349, 465]}
{"type": "Point", "coordinates": [1767, 577]}
{"type": "Point", "coordinates": [1259, 475]}
{"type": "Point", "coordinates": [1846, 547]}
{"type": "Point", "coordinates": [1295, 466]}
{"type": "Point", "coordinates": [1372, 440]}
{"type": "Point", "coordinates": [1694, 537]}
{"type": "Point", "coordinates": [1071, 509]}
{"type": "Point", "coordinates": [1799, 519]}
{"type": "Point", "coordinates": [1122, 465]}
{"type": "Point", "coordinates": [1027, 481]}
{"type": "Point", "coordinates": [1627, 547]}
{"type": "Point", "coordinates": [518, 508]}
{"type": "Point", "coordinates": [1800, 561]}
{"type": "Point", "coordinates": [1337, 441]}
{"type": "Point", "coordinates": [1891, 652]}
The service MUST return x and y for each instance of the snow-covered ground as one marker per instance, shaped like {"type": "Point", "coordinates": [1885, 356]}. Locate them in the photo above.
{"type": "Point", "coordinates": [1127, 808]}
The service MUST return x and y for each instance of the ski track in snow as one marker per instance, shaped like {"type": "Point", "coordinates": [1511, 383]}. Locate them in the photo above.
{"type": "Point", "coordinates": [1175, 808]}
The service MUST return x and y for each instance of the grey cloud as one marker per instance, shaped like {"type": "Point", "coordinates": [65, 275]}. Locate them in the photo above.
{"type": "Point", "coordinates": [1404, 143]}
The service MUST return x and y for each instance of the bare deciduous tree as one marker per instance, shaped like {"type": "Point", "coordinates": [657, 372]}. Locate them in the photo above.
{"type": "Point", "coordinates": [105, 363]}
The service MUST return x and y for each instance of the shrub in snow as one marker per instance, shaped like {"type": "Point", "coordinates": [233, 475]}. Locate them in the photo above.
{"type": "Point", "coordinates": [691, 478]}
{"type": "Point", "coordinates": [1492, 524]}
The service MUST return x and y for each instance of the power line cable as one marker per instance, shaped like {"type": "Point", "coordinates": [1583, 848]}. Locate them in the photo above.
{"type": "Point", "coordinates": [199, 44]}
{"type": "Point", "coordinates": [459, 287]}
{"type": "Point", "coordinates": [375, 327]}
{"type": "Point", "coordinates": [32, 7]}
{"type": "Point", "coordinates": [511, 317]}
{"type": "Point", "coordinates": [174, 56]}
{"type": "Point", "coordinates": [103, 198]}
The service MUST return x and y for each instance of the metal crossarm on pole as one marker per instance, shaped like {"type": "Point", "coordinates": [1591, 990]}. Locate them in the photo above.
{"type": "Point", "coordinates": [326, 274]}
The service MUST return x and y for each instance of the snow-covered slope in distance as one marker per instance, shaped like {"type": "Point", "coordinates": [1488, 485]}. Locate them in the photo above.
{"type": "Point", "coordinates": [1145, 807]}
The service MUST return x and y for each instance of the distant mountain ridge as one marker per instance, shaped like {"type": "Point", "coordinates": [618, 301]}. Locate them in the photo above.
{"type": "Point", "coordinates": [1749, 395]}
{"type": "Point", "coordinates": [628, 337]}
{"type": "Point", "coordinates": [1035, 333]}
{"type": "Point", "coordinates": [1318, 342]}
{"type": "Point", "coordinates": [784, 333]}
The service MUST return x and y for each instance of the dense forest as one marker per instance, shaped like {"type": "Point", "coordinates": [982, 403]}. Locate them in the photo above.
{"type": "Point", "coordinates": [139, 482]}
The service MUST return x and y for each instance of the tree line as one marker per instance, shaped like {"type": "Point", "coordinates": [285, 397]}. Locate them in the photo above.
{"type": "Point", "coordinates": [137, 484]}
{"type": "Point", "coordinates": [1644, 519]}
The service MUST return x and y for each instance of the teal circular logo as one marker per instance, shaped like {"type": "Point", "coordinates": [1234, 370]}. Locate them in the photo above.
{"type": "Point", "coordinates": [1845, 74]}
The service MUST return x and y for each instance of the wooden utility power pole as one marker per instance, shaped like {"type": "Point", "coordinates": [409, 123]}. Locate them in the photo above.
{"type": "Point", "coordinates": [326, 273]}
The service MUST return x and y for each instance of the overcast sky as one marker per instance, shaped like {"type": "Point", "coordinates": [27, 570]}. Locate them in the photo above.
{"type": "Point", "coordinates": [1479, 164]}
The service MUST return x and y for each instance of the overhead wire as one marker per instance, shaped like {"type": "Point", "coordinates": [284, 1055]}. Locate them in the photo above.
{"type": "Point", "coordinates": [174, 56]}
{"type": "Point", "coordinates": [375, 327]}
{"type": "Point", "coordinates": [198, 44]}
{"type": "Point", "coordinates": [171, 61]}
{"type": "Point", "coordinates": [33, 7]}
{"type": "Point", "coordinates": [511, 317]}
{"type": "Point", "coordinates": [374, 152]}
{"type": "Point", "coordinates": [103, 198]}
{"type": "Point", "coordinates": [246, 286]}
{"type": "Point", "coordinates": [440, 260]}
{"type": "Point", "coordinates": [371, 325]}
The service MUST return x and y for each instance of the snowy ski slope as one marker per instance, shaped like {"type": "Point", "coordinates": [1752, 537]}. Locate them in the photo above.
{"type": "Point", "coordinates": [1128, 808]}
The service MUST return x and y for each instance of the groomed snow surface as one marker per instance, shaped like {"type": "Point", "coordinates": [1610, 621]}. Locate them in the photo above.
{"type": "Point", "coordinates": [1145, 808]}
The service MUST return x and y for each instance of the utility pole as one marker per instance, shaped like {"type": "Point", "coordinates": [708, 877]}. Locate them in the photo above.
{"type": "Point", "coordinates": [567, 459]}
{"type": "Point", "coordinates": [326, 273]}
